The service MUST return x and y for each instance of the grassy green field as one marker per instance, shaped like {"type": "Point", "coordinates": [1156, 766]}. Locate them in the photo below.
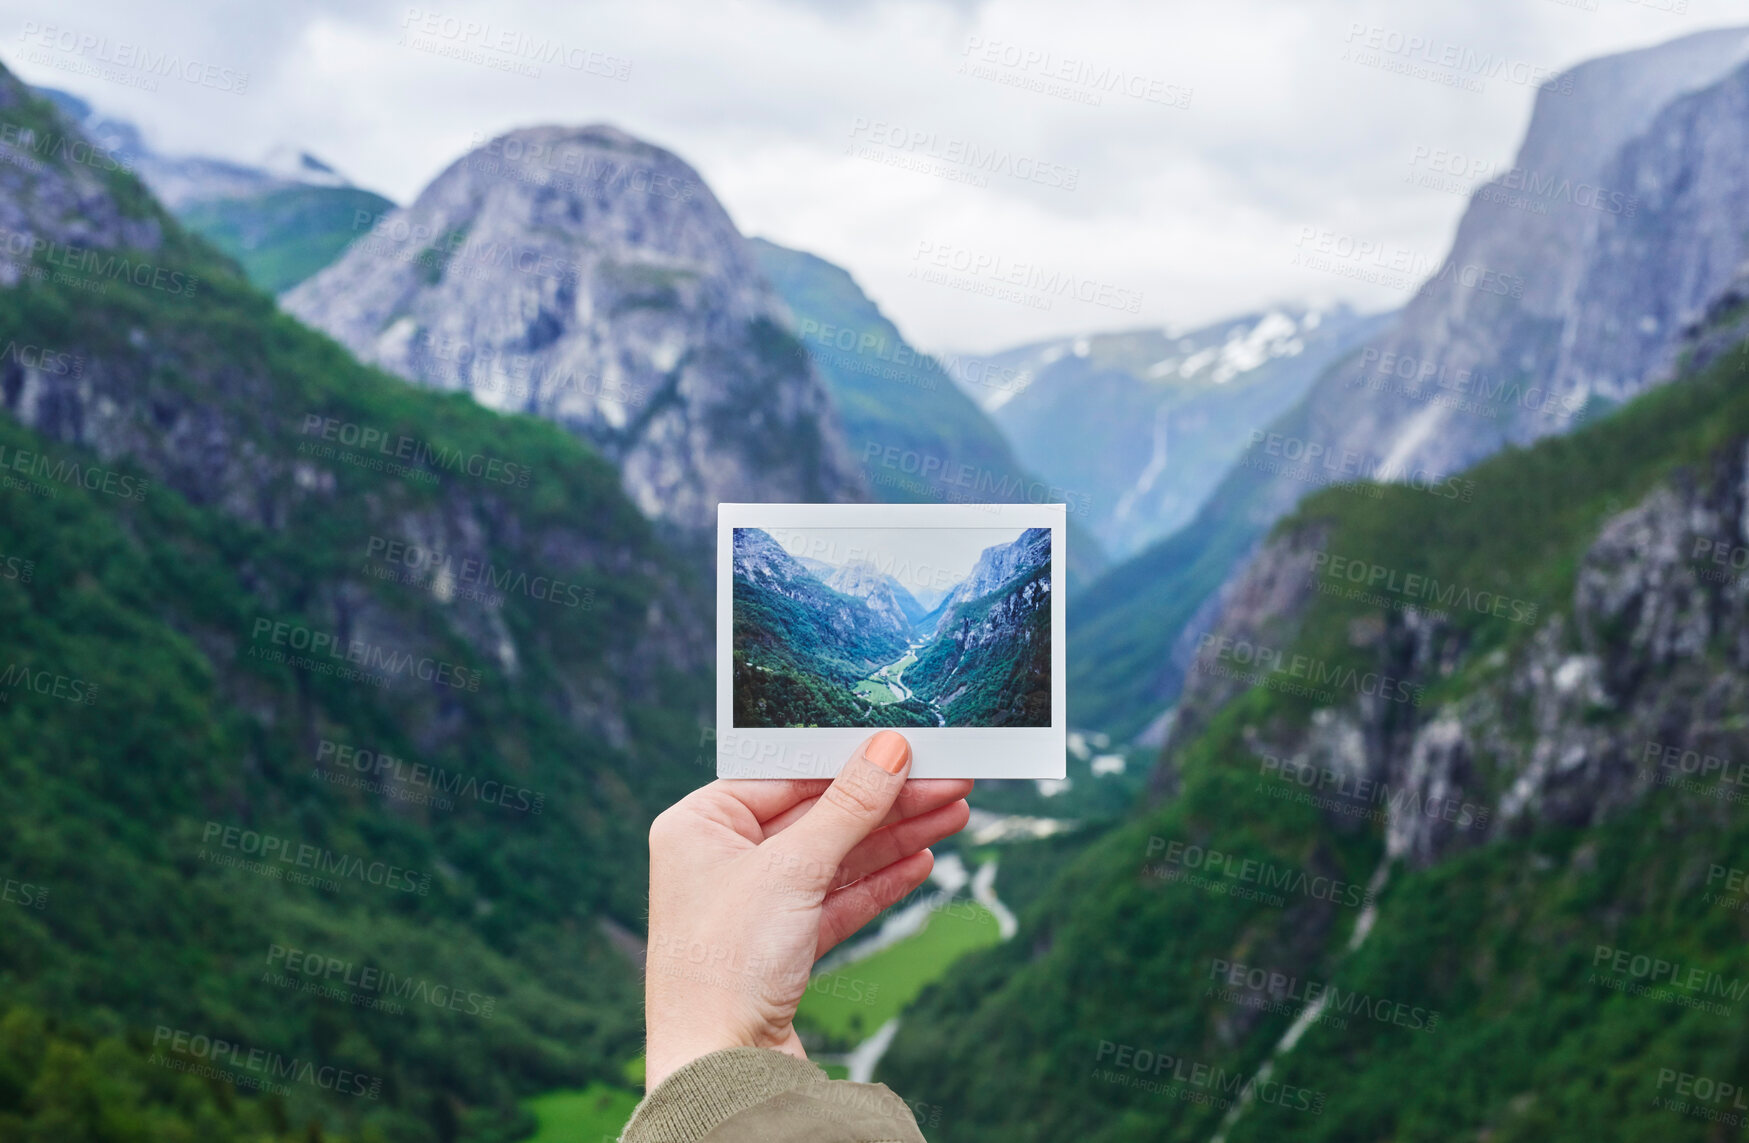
{"type": "Point", "coordinates": [595, 1114]}
{"type": "Point", "coordinates": [876, 692]}
{"type": "Point", "coordinates": [877, 688]}
{"type": "Point", "coordinates": [847, 1005]}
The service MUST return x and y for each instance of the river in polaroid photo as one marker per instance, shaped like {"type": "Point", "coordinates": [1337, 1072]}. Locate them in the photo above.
{"type": "Point", "coordinates": [941, 621]}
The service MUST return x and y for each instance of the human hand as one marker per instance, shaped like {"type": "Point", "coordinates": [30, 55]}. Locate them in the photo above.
{"type": "Point", "coordinates": [751, 882]}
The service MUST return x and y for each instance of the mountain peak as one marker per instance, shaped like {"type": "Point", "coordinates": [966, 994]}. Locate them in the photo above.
{"type": "Point", "coordinates": [181, 181]}
{"type": "Point", "coordinates": [589, 277]}
{"type": "Point", "coordinates": [299, 166]}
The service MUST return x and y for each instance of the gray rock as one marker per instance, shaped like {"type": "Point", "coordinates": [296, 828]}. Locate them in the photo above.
{"type": "Point", "coordinates": [1657, 640]}
{"type": "Point", "coordinates": [581, 275]}
{"type": "Point", "coordinates": [1570, 277]}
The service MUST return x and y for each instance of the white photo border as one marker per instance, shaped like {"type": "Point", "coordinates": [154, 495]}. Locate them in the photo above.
{"type": "Point", "coordinates": [937, 751]}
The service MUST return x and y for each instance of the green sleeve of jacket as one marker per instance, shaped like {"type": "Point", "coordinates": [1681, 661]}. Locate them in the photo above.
{"type": "Point", "coordinates": [756, 1095]}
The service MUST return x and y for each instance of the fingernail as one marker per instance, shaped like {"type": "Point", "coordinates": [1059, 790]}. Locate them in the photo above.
{"type": "Point", "coordinates": [888, 750]}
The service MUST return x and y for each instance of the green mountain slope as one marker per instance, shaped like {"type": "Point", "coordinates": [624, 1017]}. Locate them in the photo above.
{"type": "Point", "coordinates": [357, 783]}
{"type": "Point", "coordinates": [990, 661]}
{"type": "Point", "coordinates": [1558, 950]}
{"type": "Point", "coordinates": [918, 438]}
{"type": "Point", "coordinates": [283, 236]}
{"type": "Point", "coordinates": [1123, 626]}
{"type": "Point", "coordinates": [801, 647]}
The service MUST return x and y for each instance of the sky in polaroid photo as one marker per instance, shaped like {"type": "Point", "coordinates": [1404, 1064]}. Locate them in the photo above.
{"type": "Point", "coordinates": [917, 557]}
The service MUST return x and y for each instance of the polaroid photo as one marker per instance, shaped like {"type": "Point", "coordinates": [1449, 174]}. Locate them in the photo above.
{"type": "Point", "coordinates": [943, 621]}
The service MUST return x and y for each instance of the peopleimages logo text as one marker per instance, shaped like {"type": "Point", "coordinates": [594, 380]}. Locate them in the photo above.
{"type": "Point", "coordinates": [367, 656]}
{"type": "Point", "coordinates": [1422, 588]}
{"type": "Point", "coordinates": [415, 451]}
{"type": "Point", "coordinates": [37, 466]}
{"type": "Point", "coordinates": [98, 263]}
{"type": "Point", "coordinates": [379, 766]}
{"type": "Point", "coordinates": [1296, 673]}
{"type": "Point", "coordinates": [301, 855]}
{"type": "Point", "coordinates": [268, 1064]}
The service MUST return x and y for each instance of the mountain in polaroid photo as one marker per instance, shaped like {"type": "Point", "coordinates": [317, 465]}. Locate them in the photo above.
{"type": "Point", "coordinates": [818, 643]}
{"type": "Point", "coordinates": [988, 659]}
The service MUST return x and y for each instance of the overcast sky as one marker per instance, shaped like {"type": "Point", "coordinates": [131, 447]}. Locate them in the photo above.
{"type": "Point", "coordinates": [925, 558]}
{"type": "Point", "coordinates": [1174, 203]}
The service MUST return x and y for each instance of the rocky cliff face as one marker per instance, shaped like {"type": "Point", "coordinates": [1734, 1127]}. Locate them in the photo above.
{"type": "Point", "coordinates": [762, 560]}
{"type": "Point", "coordinates": [996, 565]}
{"type": "Point", "coordinates": [45, 195]}
{"type": "Point", "coordinates": [852, 617]}
{"type": "Point", "coordinates": [989, 661]}
{"type": "Point", "coordinates": [593, 279]}
{"type": "Point", "coordinates": [1572, 276]}
{"type": "Point", "coordinates": [892, 605]}
{"type": "Point", "coordinates": [1007, 623]}
{"type": "Point", "coordinates": [290, 558]}
{"type": "Point", "coordinates": [1656, 639]}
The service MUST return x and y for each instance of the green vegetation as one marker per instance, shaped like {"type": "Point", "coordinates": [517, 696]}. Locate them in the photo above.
{"type": "Point", "coordinates": [283, 236]}
{"type": "Point", "coordinates": [844, 1006]}
{"type": "Point", "coordinates": [595, 1114]}
{"type": "Point", "coordinates": [879, 688]}
{"type": "Point", "coordinates": [809, 632]}
{"type": "Point", "coordinates": [806, 655]}
{"type": "Point", "coordinates": [157, 603]}
{"type": "Point", "coordinates": [1532, 1041]}
{"type": "Point", "coordinates": [778, 691]}
{"type": "Point", "coordinates": [1005, 683]}
{"type": "Point", "coordinates": [798, 662]}
{"type": "Point", "coordinates": [61, 1085]}
{"type": "Point", "coordinates": [888, 394]}
{"type": "Point", "coordinates": [1123, 626]}
{"type": "Point", "coordinates": [917, 436]}
{"type": "Point", "coordinates": [876, 692]}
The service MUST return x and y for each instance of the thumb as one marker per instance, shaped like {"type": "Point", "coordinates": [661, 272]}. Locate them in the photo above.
{"type": "Point", "coordinates": [853, 806]}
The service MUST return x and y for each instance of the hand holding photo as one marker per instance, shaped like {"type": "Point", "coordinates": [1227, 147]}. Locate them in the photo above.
{"type": "Point", "coordinates": [939, 620]}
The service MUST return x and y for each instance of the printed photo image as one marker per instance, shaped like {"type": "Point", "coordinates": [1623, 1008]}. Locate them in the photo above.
{"type": "Point", "coordinates": [892, 627]}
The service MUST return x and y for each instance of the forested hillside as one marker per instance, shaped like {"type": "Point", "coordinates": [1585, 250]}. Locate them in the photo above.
{"type": "Point", "coordinates": [307, 670]}
{"type": "Point", "coordinates": [1475, 813]}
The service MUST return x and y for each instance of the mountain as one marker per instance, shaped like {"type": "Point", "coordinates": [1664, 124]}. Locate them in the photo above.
{"type": "Point", "coordinates": [845, 645]}
{"type": "Point", "coordinates": [929, 597]}
{"type": "Point", "coordinates": [916, 435]}
{"type": "Point", "coordinates": [1569, 288]}
{"type": "Point", "coordinates": [1142, 424]}
{"type": "Point", "coordinates": [592, 279]}
{"type": "Point", "coordinates": [298, 660]}
{"type": "Point", "coordinates": [996, 566]}
{"type": "Point", "coordinates": [884, 595]}
{"type": "Point", "coordinates": [180, 181]}
{"type": "Point", "coordinates": [1453, 792]}
{"type": "Point", "coordinates": [1611, 235]}
{"type": "Point", "coordinates": [847, 633]}
{"type": "Point", "coordinates": [280, 237]}
{"type": "Point", "coordinates": [281, 220]}
{"type": "Point", "coordinates": [989, 660]}
{"type": "Point", "coordinates": [909, 604]}
{"type": "Point", "coordinates": [801, 647]}
{"type": "Point", "coordinates": [175, 180]}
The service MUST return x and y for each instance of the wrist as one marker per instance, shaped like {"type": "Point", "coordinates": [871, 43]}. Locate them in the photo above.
{"type": "Point", "coordinates": [664, 1057]}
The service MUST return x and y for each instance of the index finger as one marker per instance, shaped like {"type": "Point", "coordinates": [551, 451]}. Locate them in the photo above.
{"type": "Point", "coordinates": [766, 798]}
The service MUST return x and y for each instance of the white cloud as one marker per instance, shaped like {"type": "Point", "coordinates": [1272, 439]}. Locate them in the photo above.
{"type": "Point", "coordinates": [1193, 210]}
